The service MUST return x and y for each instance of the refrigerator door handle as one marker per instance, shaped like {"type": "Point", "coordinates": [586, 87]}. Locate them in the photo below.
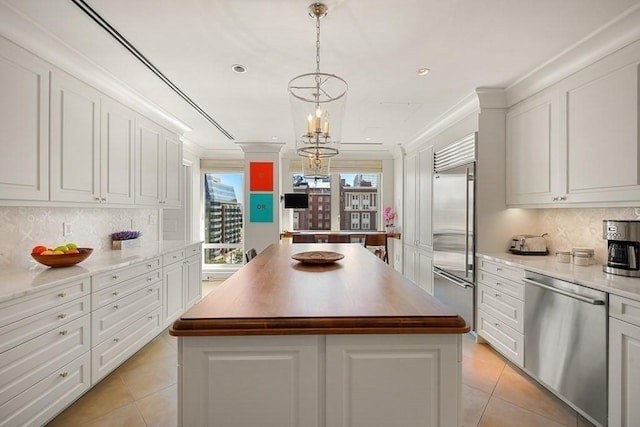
{"type": "Point", "coordinates": [451, 278]}
{"type": "Point", "coordinates": [466, 228]}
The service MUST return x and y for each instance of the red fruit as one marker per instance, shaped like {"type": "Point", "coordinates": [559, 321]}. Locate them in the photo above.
{"type": "Point", "coordinates": [37, 250]}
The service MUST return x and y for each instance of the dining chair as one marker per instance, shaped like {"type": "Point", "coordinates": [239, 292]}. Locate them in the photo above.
{"type": "Point", "coordinates": [339, 238]}
{"type": "Point", "coordinates": [303, 238]}
{"type": "Point", "coordinates": [379, 243]}
{"type": "Point", "coordinates": [250, 254]}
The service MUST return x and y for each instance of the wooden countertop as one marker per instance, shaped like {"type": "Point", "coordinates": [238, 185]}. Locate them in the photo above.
{"type": "Point", "coordinates": [276, 295]}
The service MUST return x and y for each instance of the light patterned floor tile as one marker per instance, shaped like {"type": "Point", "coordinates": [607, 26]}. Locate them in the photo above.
{"type": "Point", "coordinates": [128, 416]}
{"type": "Point", "coordinates": [158, 350]}
{"type": "Point", "coordinates": [481, 351]}
{"type": "Point", "coordinates": [516, 387]}
{"type": "Point", "coordinates": [160, 409]}
{"type": "Point", "coordinates": [500, 413]}
{"type": "Point", "coordinates": [480, 374]}
{"type": "Point", "coordinates": [148, 379]}
{"type": "Point", "coordinates": [474, 402]}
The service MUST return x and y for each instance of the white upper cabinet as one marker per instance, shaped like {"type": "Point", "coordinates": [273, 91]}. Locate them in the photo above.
{"type": "Point", "coordinates": [24, 120]}
{"type": "Point", "coordinates": [75, 140]}
{"type": "Point", "coordinates": [602, 136]}
{"type": "Point", "coordinates": [578, 141]}
{"type": "Point", "coordinates": [159, 162]}
{"type": "Point", "coordinates": [530, 145]}
{"type": "Point", "coordinates": [172, 166]}
{"type": "Point", "coordinates": [117, 147]}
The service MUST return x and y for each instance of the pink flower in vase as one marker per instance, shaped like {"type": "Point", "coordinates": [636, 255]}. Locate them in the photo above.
{"type": "Point", "coordinates": [389, 216]}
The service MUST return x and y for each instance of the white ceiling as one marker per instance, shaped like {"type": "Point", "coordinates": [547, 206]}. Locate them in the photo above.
{"type": "Point", "coordinates": [376, 46]}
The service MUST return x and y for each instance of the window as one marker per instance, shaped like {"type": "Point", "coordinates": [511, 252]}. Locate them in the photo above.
{"type": "Point", "coordinates": [352, 193]}
{"type": "Point", "coordinates": [223, 218]}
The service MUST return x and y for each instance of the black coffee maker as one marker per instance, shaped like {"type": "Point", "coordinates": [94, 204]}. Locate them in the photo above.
{"type": "Point", "coordinates": [623, 247]}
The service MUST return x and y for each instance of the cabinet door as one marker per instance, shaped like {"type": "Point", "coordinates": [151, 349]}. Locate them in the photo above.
{"type": "Point", "coordinates": [530, 152]}
{"type": "Point", "coordinates": [148, 162]}
{"type": "Point", "coordinates": [409, 228]}
{"type": "Point", "coordinates": [410, 263]}
{"type": "Point", "coordinates": [425, 174]}
{"type": "Point", "coordinates": [624, 373]}
{"type": "Point", "coordinates": [425, 272]}
{"type": "Point", "coordinates": [24, 120]}
{"type": "Point", "coordinates": [193, 279]}
{"type": "Point", "coordinates": [117, 146]}
{"type": "Point", "coordinates": [75, 140]}
{"type": "Point", "coordinates": [602, 138]}
{"type": "Point", "coordinates": [173, 295]}
{"type": "Point", "coordinates": [172, 161]}
{"type": "Point", "coordinates": [393, 380]}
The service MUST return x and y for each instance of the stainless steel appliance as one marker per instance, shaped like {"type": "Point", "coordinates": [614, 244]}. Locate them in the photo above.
{"type": "Point", "coordinates": [453, 223]}
{"type": "Point", "coordinates": [565, 342]}
{"type": "Point", "coordinates": [528, 244]}
{"type": "Point", "coordinates": [623, 247]}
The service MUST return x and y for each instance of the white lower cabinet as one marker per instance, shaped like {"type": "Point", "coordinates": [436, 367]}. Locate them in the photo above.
{"type": "Point", "coordinates": [624, 362]}
{"type": "Point", "coordinates": [418, 267]}
{"type": "Point", "coordinates": [500, 303]}
{"type": "Point", "coordinates": [182, 283]}
{"type": "Point", "coordinates": [318, 380]}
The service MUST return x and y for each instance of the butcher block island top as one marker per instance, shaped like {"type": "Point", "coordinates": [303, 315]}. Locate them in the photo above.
{"type": "Point", "coordinates": [277, 295]}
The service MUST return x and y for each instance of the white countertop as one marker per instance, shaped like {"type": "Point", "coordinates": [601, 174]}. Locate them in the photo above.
{"type": "Point", "coordinates": [20, 282]}
{"type": "Point", "coordinates": [591, 276]}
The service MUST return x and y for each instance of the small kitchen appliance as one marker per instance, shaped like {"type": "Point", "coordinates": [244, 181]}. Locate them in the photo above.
{"type": "Point", "coordinates": [528, 244]}
{"type": "Point", "coordinates": [623, 247]}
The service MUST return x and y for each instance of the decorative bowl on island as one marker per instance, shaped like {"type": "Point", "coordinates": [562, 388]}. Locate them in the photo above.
{"type": "Point", "coordinates": [63, 260]}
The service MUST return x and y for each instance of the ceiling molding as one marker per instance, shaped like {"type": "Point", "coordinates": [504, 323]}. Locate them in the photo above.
{"type": "Point", "coordinates": [614, 35]}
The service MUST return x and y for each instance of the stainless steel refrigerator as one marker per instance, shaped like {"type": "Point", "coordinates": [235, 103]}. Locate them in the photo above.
{"type": "Point", "coordinates": [453, 227]}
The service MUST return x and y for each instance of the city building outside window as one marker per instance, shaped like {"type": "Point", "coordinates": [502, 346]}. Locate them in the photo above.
{"type": "Point", "coordinates": [357, 193]}
{"type": "Point", "coordinates": [223, 218]}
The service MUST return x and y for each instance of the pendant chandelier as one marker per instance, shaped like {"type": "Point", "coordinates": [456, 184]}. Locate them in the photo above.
{"type": "Point", "coordinates": [317, 102]}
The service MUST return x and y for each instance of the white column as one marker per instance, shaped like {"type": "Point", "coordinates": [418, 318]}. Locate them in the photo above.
{"type": "Point", "coordinates": [259, 235]}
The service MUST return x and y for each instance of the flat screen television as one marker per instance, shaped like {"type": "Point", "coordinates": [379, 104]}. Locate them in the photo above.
{"type": "Point", "coordinates": [296, 200]}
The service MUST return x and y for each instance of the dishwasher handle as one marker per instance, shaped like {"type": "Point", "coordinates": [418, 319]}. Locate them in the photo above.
{"type": "Point", "coordinates": [451, 278]}
{"type": "Point", "coordinates": [591, 301]}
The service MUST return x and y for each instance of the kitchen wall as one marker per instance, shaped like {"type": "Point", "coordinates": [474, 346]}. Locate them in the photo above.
{"type": "Point", "coordinates": [22, 228]}
{"type": "Point", "coordinates": [571, 227]}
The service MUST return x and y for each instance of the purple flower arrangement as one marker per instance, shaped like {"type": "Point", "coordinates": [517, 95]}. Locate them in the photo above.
{"type": "Point", "coordinates": [125, 235]}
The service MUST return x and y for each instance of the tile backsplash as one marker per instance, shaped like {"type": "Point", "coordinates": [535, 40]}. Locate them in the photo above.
{"type": "Point", "coordinates": [568, 228]}
{"type": "Point", "coordinates": [22, 228]}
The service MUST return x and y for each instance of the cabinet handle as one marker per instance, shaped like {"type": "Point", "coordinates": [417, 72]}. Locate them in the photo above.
{"type": "Point", "coordinates": [97, 199]}
{"type": "Point", "coordinates": [116, 339]}
{"type": "Point", "coordinates": [115, 293]}
{"type": "Point", "coordinates": [563, 197]}
{"type": "Point", "coordinates": [149, 279]}
{"type": "Point", "coordinates": [114, 277]}
{"type": "Point", "coordinates": [64, 332]}
{"type": "Point", "coordinates": [148, 265]}
{"type": "Point", "coordinates": [104, 199]}
{"type": "Point", "coordinates": [497, 295]}
{"type": "Point", "coordinates": [62, 294]}
{"type": "Point", "coordinates": [150, 289]}
{"type": "Point", "coordinates": [498, 284]}
{"type": "Point", "coordinates": [150, 317]}
{"type": "Point", "coordinates": [498, 268]}
{"type": "Point", "coordinates": [497, 325]}
{"type": "Point", "coordinates": [116, 306]}
{"type": "Point", "coordinates": [555, 199]}
{"type": "Point", "coordinates": [62, 315]}
{"type": "Point", "coordinates": [64, 374]}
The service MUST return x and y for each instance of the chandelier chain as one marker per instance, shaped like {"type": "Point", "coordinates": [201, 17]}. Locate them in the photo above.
{"type": "Point", "coordinates": [317, 49]}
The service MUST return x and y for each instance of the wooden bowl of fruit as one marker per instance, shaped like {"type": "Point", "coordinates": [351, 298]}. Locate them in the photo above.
{"type": "Point", "coordinates": [62, 256]}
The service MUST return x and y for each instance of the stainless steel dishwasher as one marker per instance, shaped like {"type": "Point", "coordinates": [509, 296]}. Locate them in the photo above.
{"type": "Point", "coordinates": [565, 348]}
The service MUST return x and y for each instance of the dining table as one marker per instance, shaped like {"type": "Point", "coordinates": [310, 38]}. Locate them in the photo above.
{"type": "Point", "coordinates": [319, 335]}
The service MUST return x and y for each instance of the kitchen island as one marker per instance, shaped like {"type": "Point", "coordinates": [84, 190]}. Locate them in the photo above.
{"type": "Point", "coordinates": [350, 343]}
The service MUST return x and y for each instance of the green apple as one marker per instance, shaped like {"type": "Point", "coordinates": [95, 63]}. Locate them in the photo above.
{"type": "Point", "coordinates": [61, 248]}
{"type": "Point", "coordinates": [72, 246]}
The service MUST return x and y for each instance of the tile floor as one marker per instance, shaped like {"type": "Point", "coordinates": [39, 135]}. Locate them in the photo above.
{"type": "Point", "coordinates": [143, 392]}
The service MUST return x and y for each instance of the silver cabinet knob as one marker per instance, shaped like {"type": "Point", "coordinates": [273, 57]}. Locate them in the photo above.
{"type": "Point", "coordinates": [64, 332]}
{"type": "Point", "coordinates": [64, 374]}
{"type": "Point", "coordinates": [563, 197]}
{"type": "Point", "coordinates": [116, 306]}
{"type": "Point", "coordinates": [115, 293]}
{"type": "Point", "coordinates": [116, 339]}
{"type": "Point", "coordinates": [62, 294]}
{"type": "Point", "coordinates": [62, 315]}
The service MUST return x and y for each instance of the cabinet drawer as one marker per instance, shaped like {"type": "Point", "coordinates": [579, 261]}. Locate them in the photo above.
{"type": "Point", "coordinates": [103, 280]}
{"type": "Point", "coordinates": [624, 309]}
{"type": "Point", "coordinates": [507, 341]}
{"type": "Point", "coordinates": [174, 256]}
{"type": "Point", "coordinates": [40, 403]}
{"type": "Point", "coordinates": [509, 287]}
{"type": "Point", "coordinates": [23, 330]}
{"type": "Point", "coordinates": [502, 270]}
{"type": "Point", "coordinates": [108, 355]}
{"type": "Point", "coordinates": [25, 365]}
{"type": "Point", "coordinates": [193, 250]}
{"type": "Point", "coordinates": [113, 293]}
{"type": "Point", "coordinates": [21, 308]}
{"type": "Point", "coordinates": [111, 318]}
{"type": "Point", "coordinates": [503, 307]}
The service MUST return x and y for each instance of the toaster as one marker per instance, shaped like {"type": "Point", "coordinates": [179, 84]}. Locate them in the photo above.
{"type": "Point", "coordinates": [527, 244]}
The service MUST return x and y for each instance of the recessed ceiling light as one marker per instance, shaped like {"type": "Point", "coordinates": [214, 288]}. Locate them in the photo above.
{"type": "Point", "coordinates": [274, 138]}
{"type": "Point", "coordinates": [423, 71]}
{"type": "Point", "coordinates": [368, 138]}
{"type": "Point", "coordinates": [239, 68]}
